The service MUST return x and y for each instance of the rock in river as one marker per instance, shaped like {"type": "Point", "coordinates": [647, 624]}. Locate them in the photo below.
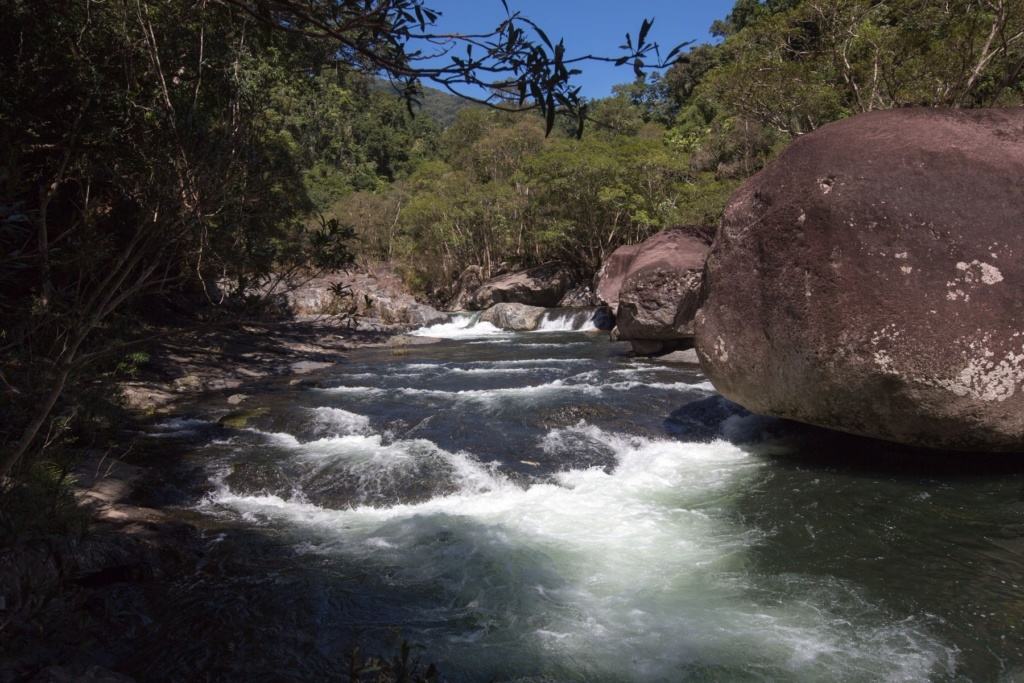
{"type": "Point", "coordinates": [540, 286]}
{"type": "Point", "coordinates": [580, 296]}
{"type": "Point", "coordinates": [609, 278]}
{"type": "Point", "coordinates": [467, 283]}
{"type": "Point", "coordinates": [660, 293]}
{"type": "Point", "coordinates": [517, 317]}
{"type": "Point", "coordinates": [871, 280]}
{"type": "Point", "coordinates": [375, 292]}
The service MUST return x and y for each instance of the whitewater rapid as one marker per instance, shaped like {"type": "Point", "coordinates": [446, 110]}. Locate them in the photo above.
{"type": "Point", "coordinates": [636, 571]}
{"type": "Point", "coordinates": [504, 517]}
{"type": "Point", "coordinates": [469, 325]}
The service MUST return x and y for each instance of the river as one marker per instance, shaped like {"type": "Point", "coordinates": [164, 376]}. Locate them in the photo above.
{"type": "Point", "coordinates": [542, 506]}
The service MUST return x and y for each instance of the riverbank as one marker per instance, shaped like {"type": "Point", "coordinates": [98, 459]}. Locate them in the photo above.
{"type": "Point", "coordinates": [69, 595]}
{"type": "Point", "coordinates": [187, 362]}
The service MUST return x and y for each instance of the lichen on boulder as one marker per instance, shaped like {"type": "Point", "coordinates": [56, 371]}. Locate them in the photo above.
{"type": "Point", "coordinates": [871, 280]}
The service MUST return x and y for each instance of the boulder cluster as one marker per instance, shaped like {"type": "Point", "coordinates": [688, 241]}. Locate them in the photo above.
{"type": "Point", "coordinates": [870, 280]}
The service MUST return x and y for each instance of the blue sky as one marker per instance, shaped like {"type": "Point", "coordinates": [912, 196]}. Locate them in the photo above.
{"type": "Point", "coordinates": [593, 26]}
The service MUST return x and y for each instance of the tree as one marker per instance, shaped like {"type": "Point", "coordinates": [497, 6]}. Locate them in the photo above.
{"type": "Point", "coordinates": [158, 145]}
{"type": "Point", "coordinates": [516, 61]}
{"type": "Point", "coordinates": [592, 195]}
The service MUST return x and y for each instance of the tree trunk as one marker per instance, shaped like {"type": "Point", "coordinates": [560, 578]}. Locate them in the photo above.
{"type": "Point", "coordinates": [32, 429]}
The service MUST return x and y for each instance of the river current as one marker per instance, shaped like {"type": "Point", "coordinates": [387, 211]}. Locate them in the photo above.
{"type": "Point", "coordinates": [543, 507]}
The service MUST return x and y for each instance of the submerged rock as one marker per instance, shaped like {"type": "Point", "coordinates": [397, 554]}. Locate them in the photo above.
{"type": "Point", "coordinates": [401, 340]}
{"type": "Point", "coordinates": [516, 317]}
{"type": "Point", "coordinates": [240, 419]}
{"type": "Point", "coordinates": [870, 281]}
{"type": "Point", "coordinates": [540, 286]}
{"type": "Point", "coordinates": [688, 356]}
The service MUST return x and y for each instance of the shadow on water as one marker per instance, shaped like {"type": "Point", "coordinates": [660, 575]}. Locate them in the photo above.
{"type": "Point", "coordinates": [792, 444]}
{"type": "Point", "coordinates": [518, 509]}
{"type": "Point", "coordinates": [902, 524]}
{"type": "Point", "coordinates": [261, 609]}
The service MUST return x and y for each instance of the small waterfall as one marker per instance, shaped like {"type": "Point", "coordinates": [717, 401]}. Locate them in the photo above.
{"type": "Point", "coordinates": [461, 326]}
{"type": "Point", "coordinates": [569, 320]}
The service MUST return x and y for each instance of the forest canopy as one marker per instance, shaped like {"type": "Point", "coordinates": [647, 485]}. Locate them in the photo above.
{"type": "Point", "coordinates": [670, 148]}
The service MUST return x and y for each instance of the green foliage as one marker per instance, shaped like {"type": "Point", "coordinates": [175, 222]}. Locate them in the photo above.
{"type": "Point", "coordinates": [672, 148]}
{"type": "Point", "coordinates": [131, 363]}
{"type": "Point", "coordinates": [329, 245]}
{"type": "Point", "coordinates": [503, 194]}
{"type": "Point", "coordinates": [41, 503]}
{"type": "Point", "coordinates": [794, 65]}
{"type": "Point", "coordinates": [597, 193]}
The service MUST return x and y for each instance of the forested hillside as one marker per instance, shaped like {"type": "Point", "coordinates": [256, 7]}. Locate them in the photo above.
{"type": "Point", "coordinates": [432, 103]}
{"type": "Point", "coordinates": [670, 149]}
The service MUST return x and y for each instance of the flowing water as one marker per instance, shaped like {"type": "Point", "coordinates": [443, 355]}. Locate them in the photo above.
{"type": "Point", "coordinates": [541, 506]}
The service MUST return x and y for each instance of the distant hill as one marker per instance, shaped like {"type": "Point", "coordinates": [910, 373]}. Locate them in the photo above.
{"type": "Point", "coordinates": [437, 104]}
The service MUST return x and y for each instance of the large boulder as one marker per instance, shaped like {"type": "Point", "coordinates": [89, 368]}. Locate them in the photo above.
{"type": "Point", "coordinates": [313, 296]}
{"type": "Point", "coordinates": [517, 317]}
{"type": "Point", "coordinates": [581, 296]}
{"type": "Point", "coordinates": [660, 293]}
{"type": "Point", "coordinates": [540, 286]}
{"type": "Point", "coordinates": [871, 280]}
{"type": "Point", "coordinates": [609, 277]}
{"type": "Point", "coordinates": [376, 292]}
{"type": "Point", "coordinates": [468, 282]}
{"type": "Point", "coordinates": [422, 315]}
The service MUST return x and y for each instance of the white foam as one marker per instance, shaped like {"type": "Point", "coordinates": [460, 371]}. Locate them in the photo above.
{"type": "Point", "coordinates": [484, 395]}
{"type": "Point", "coordinates": [531, 392]}
{"type": "Point", "coordinates": [281, 439]}
{"type": "Point", "coordinates": [567, 321]}
{"type": "Point", "coordinates": [496, 363]}
{"type": "Point", "coordinates": [532, 345]}
{"type": "Point", "coordinates": [504, 371]}
{"type": "Point", "coordinates": [461, 327]}
{"type": "Point", "coordinates": [374, 464]}
{"type": "Point", "coordinates": [660, 386]}
{"type": "Point", "coordinates": [635, 573]}
{"type": "Point", "coordinates": [341, 422]}
{"type": "Point", "coordinates": [386, 374]}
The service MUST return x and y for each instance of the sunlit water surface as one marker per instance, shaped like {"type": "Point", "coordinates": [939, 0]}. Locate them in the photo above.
{"type": "Point", "coordinates": [540, 506]}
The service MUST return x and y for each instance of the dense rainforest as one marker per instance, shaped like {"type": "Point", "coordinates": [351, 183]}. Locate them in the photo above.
{"type": "Point", "coordinates": [670, 148]}
{"type": "Point", "coordinates": [180, 158]}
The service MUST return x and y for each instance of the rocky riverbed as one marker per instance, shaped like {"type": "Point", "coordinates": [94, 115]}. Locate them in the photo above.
{"type": "Point", "coordinates": [523, 505]}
